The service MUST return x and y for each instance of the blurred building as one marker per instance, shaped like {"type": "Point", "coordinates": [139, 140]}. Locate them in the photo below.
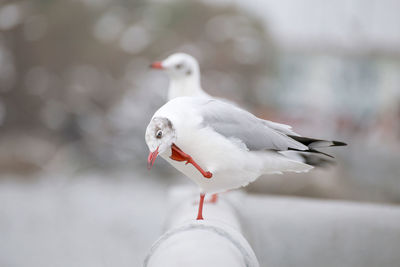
{"type": "Point", "coordinates": [83, 85]}
{"type": "Point", "coordinates": [76, 95]}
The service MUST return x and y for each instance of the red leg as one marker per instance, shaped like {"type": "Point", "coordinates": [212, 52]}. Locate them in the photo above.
{"type": "Point", "coordinates": [214, 198]}
{"type": "Point", "coordinates": [200, 213]}
{"type": "Point", "coordinates": [179, 155]}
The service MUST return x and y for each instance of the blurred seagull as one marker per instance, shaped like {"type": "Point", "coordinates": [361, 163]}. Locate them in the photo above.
{"type": "Point", "coordinates": [220, 146]}
{"type": "Point", "coordinates": [184, 73]}
{"type": "Point", "coordinates": [184, 80]}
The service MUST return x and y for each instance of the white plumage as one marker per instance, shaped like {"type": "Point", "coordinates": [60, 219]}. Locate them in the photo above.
{"type": "Point", "coordinates": [202, 136]}
{"type": "Point", "coordinates": [228, 158]}
{"type": "Point", "coordinates": [184, 80]}
{"type": "Point", "coordinates": [184, 75]}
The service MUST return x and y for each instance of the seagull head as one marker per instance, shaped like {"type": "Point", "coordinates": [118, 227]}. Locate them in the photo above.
{"type": "Point", "coordinates": [179, 65]}
{"type": "Point", "coordinates": [160, 135]}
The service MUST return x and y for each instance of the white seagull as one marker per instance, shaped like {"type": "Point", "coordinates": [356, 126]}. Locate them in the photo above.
{"type": "Point", "coordinates": [220, 146]}
{"type": "Point", "coordinates": [184, 80]}
{"type": "Point", "coordinates": [184, 75]}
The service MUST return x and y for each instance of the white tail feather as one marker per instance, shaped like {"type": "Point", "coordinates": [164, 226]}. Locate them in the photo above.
{"type": "Point", "coordinates": [276, 163]}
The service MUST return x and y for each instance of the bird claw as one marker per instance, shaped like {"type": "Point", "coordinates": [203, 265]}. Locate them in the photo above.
{"type": "Point", "coordinates": [179, 155]}
{"type": "Point", "coordinates": [207, 175]}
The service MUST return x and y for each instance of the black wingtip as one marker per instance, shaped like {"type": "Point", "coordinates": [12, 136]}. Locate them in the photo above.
{"type": "Point", "coordinates": [311, 150]}
{"type": "Point", "coordinates": [319, 152]}
{"type": "Point", "coordinates": [307, 141]}
{"type": "Point", "coordinates": [317, 161]}
{"type": "Point", "coordinates": [338, 143]}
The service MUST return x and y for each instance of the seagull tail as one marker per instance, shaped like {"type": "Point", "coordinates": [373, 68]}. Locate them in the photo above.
{"type": "Point", "coordinates": [275, 163]}
{"type": "Point", "coordinates": [314, 160]}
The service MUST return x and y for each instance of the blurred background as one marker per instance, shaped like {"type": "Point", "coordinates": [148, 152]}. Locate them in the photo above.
{"type": "Point", "coordinates": [76, 94]}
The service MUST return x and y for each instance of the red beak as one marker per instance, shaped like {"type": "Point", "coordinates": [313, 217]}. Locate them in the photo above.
{"type": "Point", "coordinates": [152, 158]}
{"type": "Point", "coordinates": [157, 65]}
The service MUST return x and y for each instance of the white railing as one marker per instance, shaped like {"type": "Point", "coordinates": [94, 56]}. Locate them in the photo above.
{"type": "Point", "coordinates": [284, 231]}
{"type": "Point", "coordinates": [215, 241]}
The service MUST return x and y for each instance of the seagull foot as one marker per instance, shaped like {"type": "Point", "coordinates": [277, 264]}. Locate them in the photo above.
{"type": "Point", "coordinates": [179, 155]}
{"type": "Point", "coordinates": [213, 199]}
{"type": "Point", "coordinates": [200, 212]}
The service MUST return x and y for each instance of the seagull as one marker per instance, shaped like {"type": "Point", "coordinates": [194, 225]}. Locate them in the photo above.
{"type": "Point", "coordinates": [221, 146]}
{"type": "Point", "coordinates": [184, 73]}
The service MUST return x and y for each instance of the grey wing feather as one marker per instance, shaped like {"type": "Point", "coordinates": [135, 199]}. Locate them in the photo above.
{"type": "Point", "coordinates": [233, 122]}
{"type": "Point", "coordinates": [283, 128]}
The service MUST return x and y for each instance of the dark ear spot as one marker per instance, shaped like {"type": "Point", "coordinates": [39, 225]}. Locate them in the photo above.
{"type": "Point", "coordinates": [169, 123]}
{"type": "Point", "coordinates": [188, 72]}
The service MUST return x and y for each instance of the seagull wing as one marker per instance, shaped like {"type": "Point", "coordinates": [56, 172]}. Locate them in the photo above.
{"type": "Point", "coordinates": [280, 127]}
{"type": "Point", "coordinates": [233, 122]}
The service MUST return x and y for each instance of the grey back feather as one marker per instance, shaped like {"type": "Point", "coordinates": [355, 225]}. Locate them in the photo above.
{"type": "Point", "coordinates": [233, 122]}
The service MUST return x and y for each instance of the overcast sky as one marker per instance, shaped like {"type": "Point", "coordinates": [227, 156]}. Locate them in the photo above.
{"type": "Point", "coordinates": [345, 24]}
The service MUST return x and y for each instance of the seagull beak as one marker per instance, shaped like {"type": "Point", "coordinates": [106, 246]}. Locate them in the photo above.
{"type": "Point", "coordinates": [157, 65]}
{"type": "Point", "coordinates": [152, 158]}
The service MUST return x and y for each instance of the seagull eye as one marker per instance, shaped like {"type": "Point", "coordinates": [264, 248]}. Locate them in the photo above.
{"type": "Point", "coordinates": [178, 66]}
{"type": "Point", "coordinates": [159, 134]}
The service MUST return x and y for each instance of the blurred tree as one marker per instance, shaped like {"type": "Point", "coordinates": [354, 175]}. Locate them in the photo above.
{"type": "Point", "coordinates": [80, 68]}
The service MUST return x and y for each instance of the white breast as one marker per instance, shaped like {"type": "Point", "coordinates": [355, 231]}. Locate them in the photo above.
{"type": "Point", "coordinates": [230, 163]}
{"type": "Point", "coordinates": [185, 87]}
